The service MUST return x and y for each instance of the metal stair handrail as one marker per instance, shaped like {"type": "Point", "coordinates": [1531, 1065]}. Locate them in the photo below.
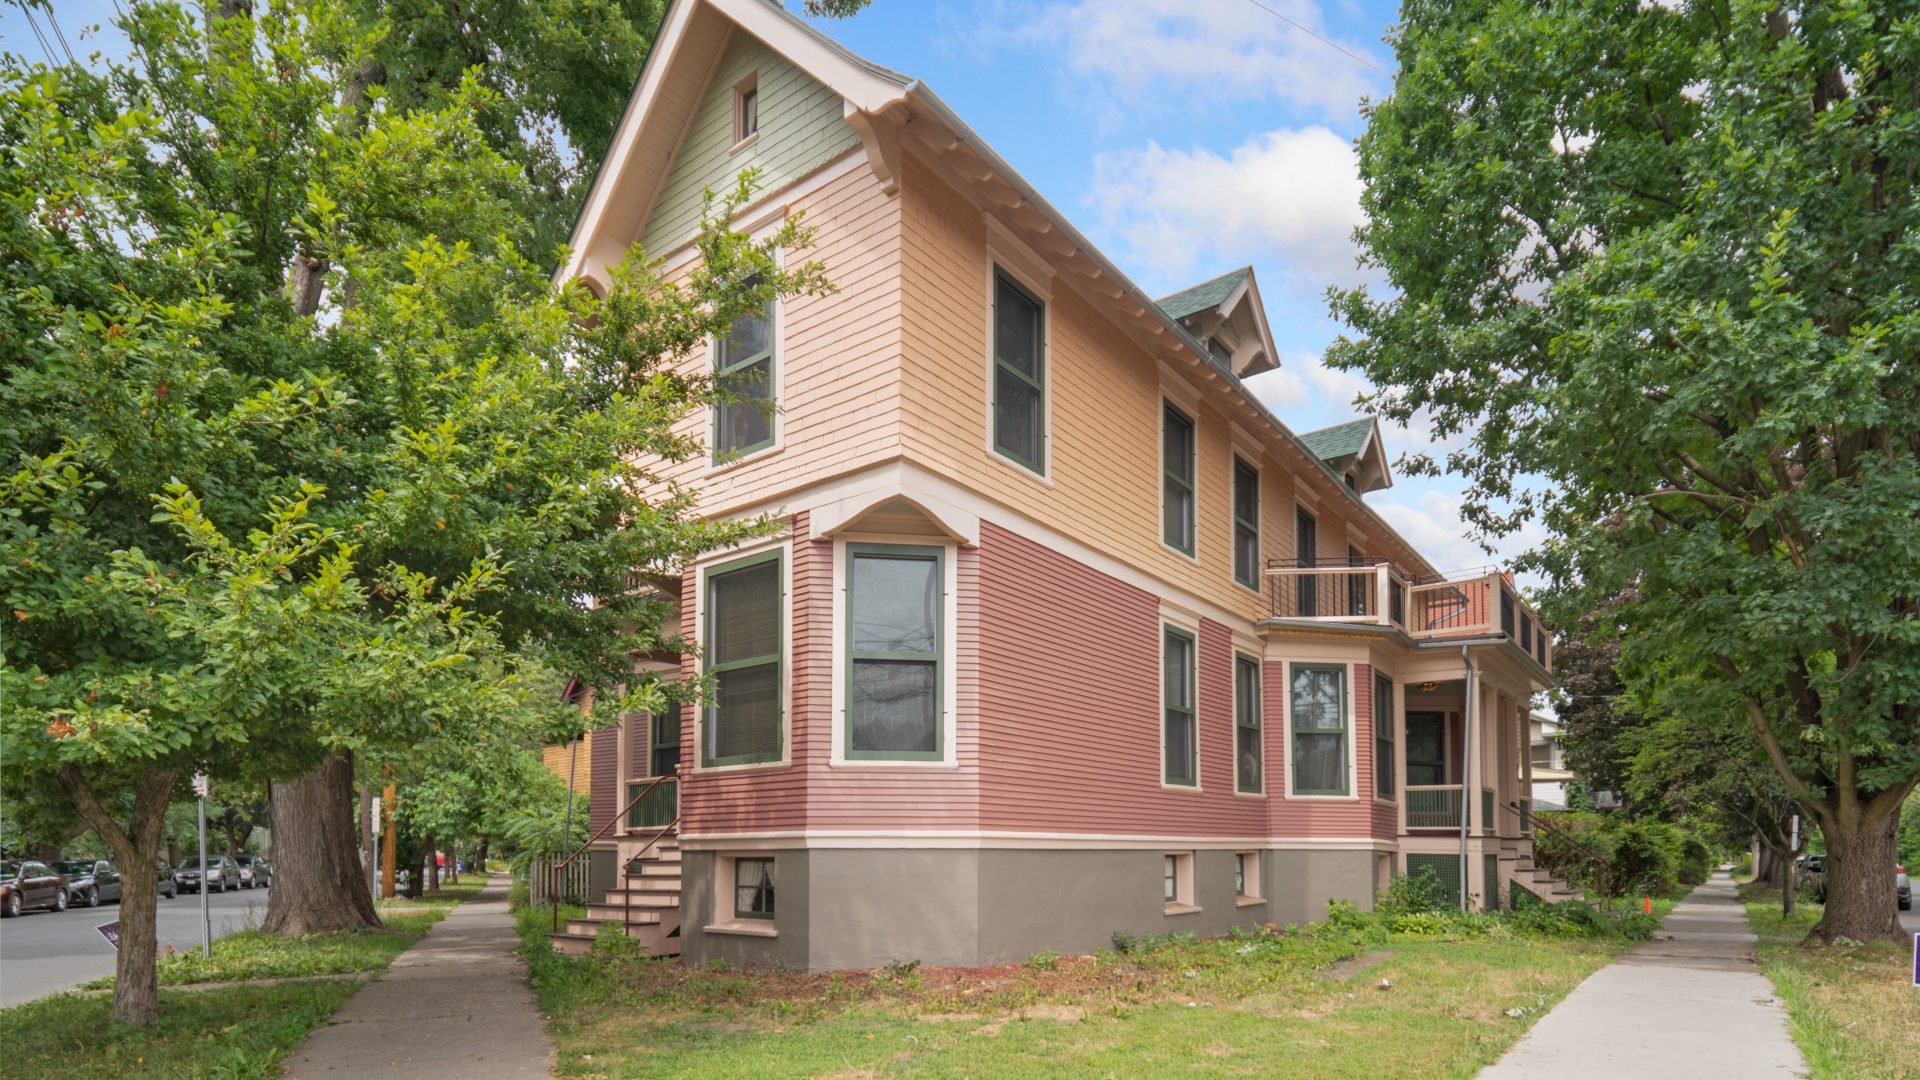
{"type": "Point", "coordinates": [1605, 876]}
{"type": "Point", "coordinates": [597, 834]}
{"type": "Point", "coordinates": [626, 874]}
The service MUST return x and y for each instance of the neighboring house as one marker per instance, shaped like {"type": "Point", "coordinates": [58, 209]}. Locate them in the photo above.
{"type": "Point", "coordinates": [1547, 763]}
{"type": "Point", "coordinates": [1066, 633]}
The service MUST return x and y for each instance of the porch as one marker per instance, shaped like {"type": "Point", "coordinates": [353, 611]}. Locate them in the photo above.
{"type": "Point", "coordinates": [1371, 590]}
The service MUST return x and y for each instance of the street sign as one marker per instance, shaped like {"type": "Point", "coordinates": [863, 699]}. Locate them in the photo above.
{"type": "Point", "coordinates": [110, 931]}
{"type": "Point", "coordinates": [199, 785]}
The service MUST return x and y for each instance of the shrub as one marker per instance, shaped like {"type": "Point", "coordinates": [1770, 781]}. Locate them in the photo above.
{"type": "Point", "coordinates": [1044, 960]}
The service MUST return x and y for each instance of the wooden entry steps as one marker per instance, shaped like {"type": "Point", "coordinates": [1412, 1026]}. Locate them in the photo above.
{"type": "Point", "coordinates": [646, 903]}
{"type": "Point", "coordinates": [1535, 879]}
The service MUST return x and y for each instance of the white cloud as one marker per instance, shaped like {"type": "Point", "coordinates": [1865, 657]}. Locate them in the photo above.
{"type": "Point", "coordinates": [1178, 53]}
{"type": "Point", "coordinates": [1290, 194]}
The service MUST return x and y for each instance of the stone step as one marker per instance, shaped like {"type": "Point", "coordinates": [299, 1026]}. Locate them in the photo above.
{"type": "Point", "coordinates": [639, 901]}
{"type": "Point", "coordinates": [591, 924]}
{"type": "Point", "coordinates": [646, 883]}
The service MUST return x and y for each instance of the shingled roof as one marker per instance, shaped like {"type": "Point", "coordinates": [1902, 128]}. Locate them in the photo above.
{"type": "Point", "coordinates": [1204, 296]}
{"type": "Point", "coordinates": [1340, 440]}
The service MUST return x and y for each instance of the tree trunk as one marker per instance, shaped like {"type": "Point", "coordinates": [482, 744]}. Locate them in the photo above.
{"type": "Point", "coordinates": [433, 865]}
{"type": "Point", "coordinates": [136, 987]}
{"type": "Point", "coordinates": [318, 884]}
{"type": "Point", "coordinates": [1860, 902]}
{"type": "Point", "coordinates": [480, 858]}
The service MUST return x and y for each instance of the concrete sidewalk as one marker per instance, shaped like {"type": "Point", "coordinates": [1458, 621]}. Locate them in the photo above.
{"type": "Point", "coordinates": [1688, 1004]}
{"type": "Point", "coordinates": [458, 1000]}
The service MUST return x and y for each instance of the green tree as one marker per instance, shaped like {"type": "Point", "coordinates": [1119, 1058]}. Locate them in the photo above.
{"type": "Point", "coordinates": [302, 458]}
{"type": "Point", "coordinates": [1657, 263]}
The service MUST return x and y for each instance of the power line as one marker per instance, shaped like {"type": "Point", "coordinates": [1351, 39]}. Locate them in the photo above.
{"type": "Point", "coordinates": [64, 47]}
{"type": "Point", "coordinates": [1328, 42]}
{"type": "Point", "coordinates": [45, 49]}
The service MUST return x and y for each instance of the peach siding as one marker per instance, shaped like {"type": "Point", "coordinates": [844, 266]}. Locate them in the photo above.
{"type": "Point", "coordinates": [1105, 399]}
{"type": "Point", "coordinates": [838, 370]}
{"type": "Point", "coordinates": [1070, 704]}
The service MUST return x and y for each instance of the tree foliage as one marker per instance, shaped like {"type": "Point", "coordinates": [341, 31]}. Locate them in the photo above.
{"type": "Point", "coordinates": [1656, 262]}
{"type": "Point", "coordinates": [300, 456]}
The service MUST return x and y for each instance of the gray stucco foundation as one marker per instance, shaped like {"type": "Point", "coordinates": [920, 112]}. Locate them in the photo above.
{"type": "Point", "coordinates": [862, 907]}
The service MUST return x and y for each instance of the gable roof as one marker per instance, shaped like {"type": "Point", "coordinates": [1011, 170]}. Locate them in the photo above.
{"type": "Point", "coordinates": [877, 97]}
{"type": "Point", "coordinates": [1204, 296]}
{"type": "Point", "coordinates": [1340, 440]}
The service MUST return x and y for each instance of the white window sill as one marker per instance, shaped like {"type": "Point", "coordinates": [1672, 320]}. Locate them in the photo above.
{"type": "Point", "coordinates": [1181, 909]}
{"type": "Point", "coordinates": [882, 763]}
{"type": "Point", "coordinates": [715, 468]}
{"type": "Point", "coordinates": [1248, 901]}
{"type": "Point", "coordinates": [743, 928]}
{"type": "Point", "coordinates": [744, 143]}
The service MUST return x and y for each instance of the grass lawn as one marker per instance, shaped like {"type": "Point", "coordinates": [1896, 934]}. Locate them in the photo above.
{"type": "Point", "coordinates": [1855, 1014]}
{"type": "Point", "coordinates": [240, 1031]}
{"type": "Point", "coordinates": [1299, 1004]}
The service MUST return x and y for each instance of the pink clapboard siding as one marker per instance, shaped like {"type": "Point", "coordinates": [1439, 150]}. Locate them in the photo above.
{"type": "Point", "coordinates": [1070, 709]}
{"type": "Point", "coordinates": [1318, 817]}
{"type": "Point", "coordinates": [606, 796]}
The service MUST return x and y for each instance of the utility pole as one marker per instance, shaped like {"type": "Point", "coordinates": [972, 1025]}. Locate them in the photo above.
{"type": "Point", "coordinates": [387, 853]}
{"type": "Point", "coordinates": [206, 918]}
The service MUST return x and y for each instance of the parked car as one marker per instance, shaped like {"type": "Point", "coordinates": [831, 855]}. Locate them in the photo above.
{"type": "Point", "coordinates": [221, 874]}
{"type": "Point", "coordinates": [1813, 874]}
{"type": "Point", "coordinates": [1902, 888]}
{"type": "Point", "coordinates": [90, 882]}
{"type": "Point", "coordinates": [255, 870]}
{"type": "Point", "coordinates": [26, 885]}
{"type": "Point", "coordinates": [166, 886]}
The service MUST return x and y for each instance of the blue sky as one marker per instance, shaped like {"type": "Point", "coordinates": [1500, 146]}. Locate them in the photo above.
{"type": "Point", "coordinates": [1184, 137]}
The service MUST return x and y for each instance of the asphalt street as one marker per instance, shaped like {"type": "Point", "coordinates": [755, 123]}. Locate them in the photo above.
{"type": "Point", "coordinates": [43, 952]}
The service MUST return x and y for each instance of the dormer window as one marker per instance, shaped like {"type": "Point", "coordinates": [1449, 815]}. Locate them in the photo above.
{"type": "Point", "coordinates": [746, 109]}
{"type": "Point", "coordinates": [1220, 350]}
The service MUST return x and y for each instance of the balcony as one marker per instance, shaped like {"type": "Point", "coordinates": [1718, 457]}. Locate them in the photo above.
{"type": "Point", "coordinates": [1374, 591]}
{"type": "Point", "coordinates": [1433, 807]}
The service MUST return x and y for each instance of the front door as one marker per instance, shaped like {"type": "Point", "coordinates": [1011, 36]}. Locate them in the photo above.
{"type": "Point", "coordinates": [1426, 749]}
{"type": "Point", "coordinates": [661, 805]}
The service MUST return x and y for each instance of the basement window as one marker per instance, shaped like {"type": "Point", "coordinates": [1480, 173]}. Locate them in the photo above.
{"type": "Point", "coordinates": [1177, 882]}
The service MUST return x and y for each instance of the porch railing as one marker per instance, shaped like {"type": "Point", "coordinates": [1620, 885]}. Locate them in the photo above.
{"type": "Point", "coordinates": [1434, 806]}
{"type": "Point", "coordinates": [1373, 590]}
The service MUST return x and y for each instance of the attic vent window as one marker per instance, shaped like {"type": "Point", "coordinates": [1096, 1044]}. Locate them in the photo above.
{"type": "Point", "coordinates": [746, 109]}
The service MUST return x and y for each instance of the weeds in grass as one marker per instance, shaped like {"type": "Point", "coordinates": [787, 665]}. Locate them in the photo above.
{"type": "Point", "coordinates": [1044, 960]}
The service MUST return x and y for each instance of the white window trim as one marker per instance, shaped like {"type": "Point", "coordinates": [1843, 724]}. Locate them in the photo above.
{"type": "Point", "coordinates": [1353, 754]}
{"type": "Point", "coordinates": [1007, 255]}
{"type": "Point", "coordinates": [725, 919]}
{"type": "Point", "coordinates": [949, 633]}
{"type": "Point", "coordinates": [1167, 401]}
{"type": "Point", "coordinates": [1179, 620]}
{"type": "Point", "coordinates": [699, 623]}
{"type": "Point", "coordinates": [777, 335]}
{"type": "Point", "coordinates": [1254, 869]}
{"type": "Point", "coordinates": [1266, 779]}
{"type": "Point", "coordinates": [1183, 895]}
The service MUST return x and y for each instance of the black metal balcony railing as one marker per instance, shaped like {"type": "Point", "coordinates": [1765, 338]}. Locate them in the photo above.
{"type": "Point", "coordinates": [1373, 590]}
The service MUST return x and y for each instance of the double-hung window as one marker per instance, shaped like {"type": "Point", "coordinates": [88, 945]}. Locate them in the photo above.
{"type": "Point", "coordinates": [1319, 699]}
{"type": "Point", "coordinates": [1246, 524]}
{"type": "Point", "coordinates": [743, 377]}
{"type": "Point", "coordinates": [1176, 479]}
{"type": "Point", "coordinates": [1019, 375]}
{"type": "Point", "coordinates": [1383, 756]}
{"type": "Point", "coordinates": [1249, 766]}
{"type": "Point", "coordinates": [894, 625]}
{"type": "Point", "coordinates": [1179, 756]}
{"type": "Point", "coordinates": [743, 657]}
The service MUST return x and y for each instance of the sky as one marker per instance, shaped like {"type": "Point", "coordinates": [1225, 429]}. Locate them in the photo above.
{"type": "Point", "coordinates": [1183, 137]}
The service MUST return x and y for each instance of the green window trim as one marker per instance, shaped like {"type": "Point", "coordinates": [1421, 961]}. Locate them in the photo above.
{"type": "Point", "coordinates": [937, 657]}
{"type": "Point", "coordinates": [725, 366]}
{"type": "Point", "coordinates": [709, 712]}
{"type": "Point", "coordinates": [1296, 730]}
{"type": "Point", "coordinates": [1182, 712]}
{"type": "Point", "coordinates": [1177, 489]}
{"type": "Point", "coordinates": [1036, 461]}
{"type": "Point", "coordinates": [1246, 524]}
{"type": "Point", "coordinates": [1247, 726]}
{"type": "Point", "coordinates": [1384, 758]}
